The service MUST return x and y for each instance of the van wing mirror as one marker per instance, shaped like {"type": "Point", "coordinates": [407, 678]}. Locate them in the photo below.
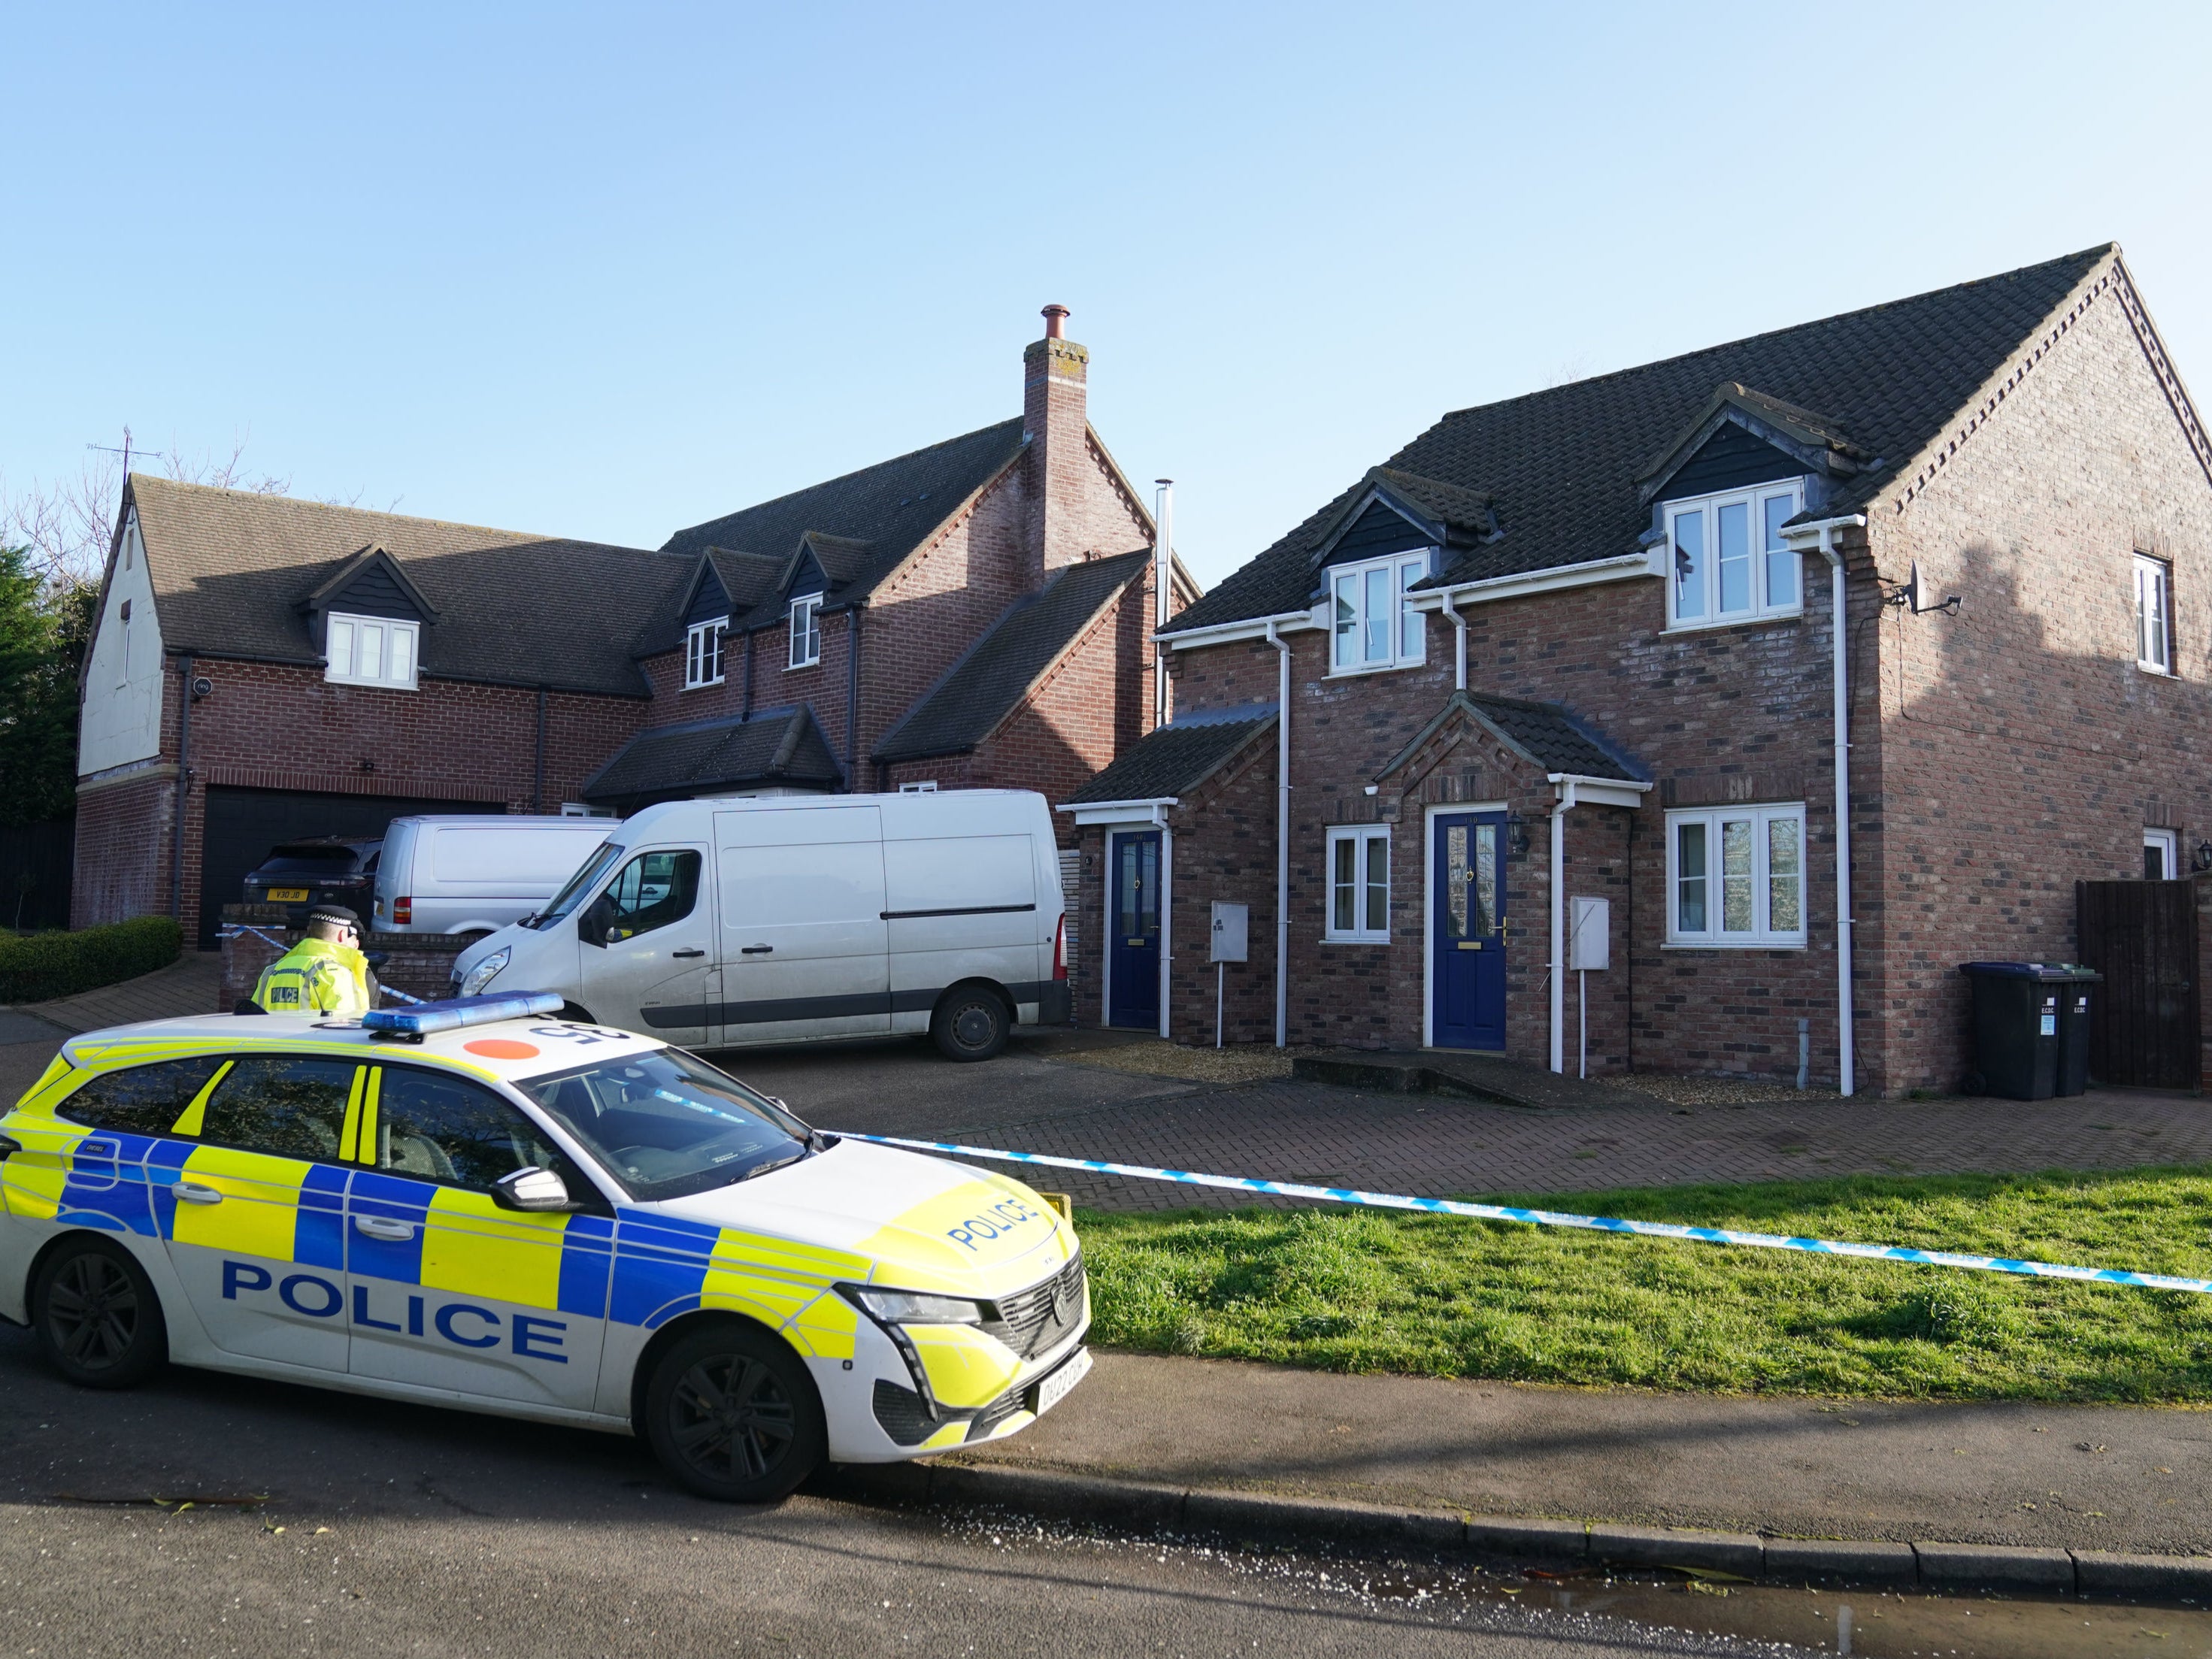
{"type": "Point", "coordinates": [531, 1189]}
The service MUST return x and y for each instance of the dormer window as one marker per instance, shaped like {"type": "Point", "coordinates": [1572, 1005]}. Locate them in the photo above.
{"type": "Point", "coordinates": [371, 650]}
{"type": "Point", "coordinates": [1372, 624]}
{"type": "Point", "coordinates": [702, 654]}
{"type": "Point", "coordinates": [1727, 561]}
{"type": "Point", "coordinates": [806, 631]}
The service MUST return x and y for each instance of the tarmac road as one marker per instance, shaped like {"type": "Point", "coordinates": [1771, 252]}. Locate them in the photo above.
{"type": "Point", "coordinates": [406, 1530]}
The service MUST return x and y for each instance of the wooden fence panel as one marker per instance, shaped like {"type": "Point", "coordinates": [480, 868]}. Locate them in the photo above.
{"type": "Point", "coordinates": [2141, 937]}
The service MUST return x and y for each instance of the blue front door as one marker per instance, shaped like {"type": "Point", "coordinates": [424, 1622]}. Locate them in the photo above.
{"type": "Point", "coordinates": [1132, 947]}
{"type": "Point", "coordinates": [1468, 930]}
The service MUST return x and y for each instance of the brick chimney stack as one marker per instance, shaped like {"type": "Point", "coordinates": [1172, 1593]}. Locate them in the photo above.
{"type": "Point", "coordinates": [1054, 373]}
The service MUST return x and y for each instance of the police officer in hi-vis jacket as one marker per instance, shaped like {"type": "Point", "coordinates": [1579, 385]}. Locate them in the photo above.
{"type": "Point", "coordinates": [323, 974]}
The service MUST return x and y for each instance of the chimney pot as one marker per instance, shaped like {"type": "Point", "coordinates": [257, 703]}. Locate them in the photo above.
{"type": "Point", "coordinates": [1053, 314]}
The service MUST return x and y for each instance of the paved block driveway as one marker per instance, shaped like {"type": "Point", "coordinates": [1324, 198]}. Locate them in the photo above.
{"type": "Point", "coordinates": [1431, 1145]}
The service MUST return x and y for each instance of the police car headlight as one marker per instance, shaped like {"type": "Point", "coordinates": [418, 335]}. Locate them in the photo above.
{"type": "Point", "coordinates": [486, 970]}
{"type": "Point", "coordinates": [912, 1308]}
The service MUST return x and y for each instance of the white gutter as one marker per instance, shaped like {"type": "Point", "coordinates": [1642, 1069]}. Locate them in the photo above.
{"type": "Point", "coordinates": [1247, 628]}
{"type": "Point", "coordinates": [1459, 639]}
{"type": "Point", "coordinates": [1845, 1048]}
{"type": "Point", "coordinates": [1618, 567]}
{"type": "Point", "coordinates": [1282, 837]}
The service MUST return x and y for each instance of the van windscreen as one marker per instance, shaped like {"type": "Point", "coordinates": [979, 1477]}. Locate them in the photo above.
{"type": "Point", "coordinates": [577, 885]}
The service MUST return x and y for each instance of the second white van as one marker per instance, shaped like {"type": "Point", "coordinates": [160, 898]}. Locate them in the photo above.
{"type": "Point", "coordinates": [474, 873]}
{"type": "Point", "coordinates": [715, 924]}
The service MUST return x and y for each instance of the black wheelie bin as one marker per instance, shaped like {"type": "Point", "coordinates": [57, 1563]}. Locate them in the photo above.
{"type": "Point", "coordinates": [2024, 1012]}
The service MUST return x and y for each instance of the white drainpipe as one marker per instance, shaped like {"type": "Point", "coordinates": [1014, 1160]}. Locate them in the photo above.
{"type": "Point", "coordinates": [1163, 554]}
{"type": "Point", "coordinates": [1459, 642]}
{"type": "Point", "coordinates": [1282, 838]}
{"type": "Point", "coordinates": [1566, 787]}
{"type": "Point", "coordinates": [1167, 919]}
{"type": "Point", "coordinates": [1847, 1065]}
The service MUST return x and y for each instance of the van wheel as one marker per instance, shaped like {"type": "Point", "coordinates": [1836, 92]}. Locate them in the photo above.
{"type": "Point", "coordinates": [972, 1022]}
{"type": "Point", "coordinates": [96, 1315]}
{"type": "Point", "coordinates": [733, 1414]}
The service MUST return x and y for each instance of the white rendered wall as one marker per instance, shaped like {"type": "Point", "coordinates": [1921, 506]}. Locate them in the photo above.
{"type": "Point", "coordinates": [123, 687]}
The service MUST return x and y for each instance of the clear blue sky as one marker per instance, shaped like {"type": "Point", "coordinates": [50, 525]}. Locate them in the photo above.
{"type": "Point", "coordinates": [610, 272]}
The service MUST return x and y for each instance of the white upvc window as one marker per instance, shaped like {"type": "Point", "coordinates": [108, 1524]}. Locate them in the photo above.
{"type": "Point", "coordinates": [2161, 854]}
{"type": "Point", "coordinates": [806, 631]}
{"type": "Point", "coordinates": [1736, 876]}
{"type": "Point", "coordinates": [1729, 562]}
{"type": "Point", "coordinates": [1359, 883]}
{"type": "Point", "coordinates": [1372, 624]}
{"type": "Point", "coordinates": [2153, 615]}
{"type": "Point", "coordinates": [702, 654]}
{"type": "Point", "coordinates": [371, 650]}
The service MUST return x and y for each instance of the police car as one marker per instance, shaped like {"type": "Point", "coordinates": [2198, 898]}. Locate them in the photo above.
{"type": "Point", "coordinates": [477, 1204]}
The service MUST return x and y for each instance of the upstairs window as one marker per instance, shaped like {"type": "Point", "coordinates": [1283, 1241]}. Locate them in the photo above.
{"type": "Point", "coordinates": [1735, 875]}
{"type": "Point", "coordinates": [1730, 562]}
{"type": "Point", "coordinates": [702, 654]}
{"type": "Point", "coordinates": [372, 651]}
{"type": "Point", "coordinates": [806, 631]}
{"type": "Point", "coordinates": [1374, 625]}
{"type": "Point", "coordinates": [2153, 615]}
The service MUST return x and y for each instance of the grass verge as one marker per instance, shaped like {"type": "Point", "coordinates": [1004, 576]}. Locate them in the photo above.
{"type": "Point", "coordinates": [1438, 1295]}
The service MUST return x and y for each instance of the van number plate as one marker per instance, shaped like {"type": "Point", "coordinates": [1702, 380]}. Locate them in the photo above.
{"type": "Point", "coordinates": [288, 895]}
{"type": "Point", "coordinates": [1055, 1388]}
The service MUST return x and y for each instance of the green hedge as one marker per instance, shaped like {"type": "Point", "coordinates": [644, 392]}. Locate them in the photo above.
{"type": "Point", "coordinates": [36, 966]}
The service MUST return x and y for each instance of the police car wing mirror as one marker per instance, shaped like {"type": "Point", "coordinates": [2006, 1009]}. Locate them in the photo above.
{"type": "Point", "coordinates": [9, 1147]}
{"type": "Point", "coordinates": [531, 1189]}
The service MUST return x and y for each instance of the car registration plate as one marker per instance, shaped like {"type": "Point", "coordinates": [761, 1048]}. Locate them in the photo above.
{"type": "Point", "coordinates": [288, 895]}
{"type": "Point", "coordinates": [1055, 1388]}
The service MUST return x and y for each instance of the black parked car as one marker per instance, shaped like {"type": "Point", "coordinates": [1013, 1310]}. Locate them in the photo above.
{"type": "Point", "coordinates": [323, 870]}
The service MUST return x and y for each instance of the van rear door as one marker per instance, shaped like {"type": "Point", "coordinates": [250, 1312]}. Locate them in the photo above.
{"type": "Point", "coordinates": [802, 938]}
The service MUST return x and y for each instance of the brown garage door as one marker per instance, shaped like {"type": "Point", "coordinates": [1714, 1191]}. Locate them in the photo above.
{"type": "Point", "coordinates": [243, 824]}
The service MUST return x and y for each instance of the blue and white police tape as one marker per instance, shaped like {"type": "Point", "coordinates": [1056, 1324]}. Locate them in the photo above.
{"type": "Point", "coordinates": [1990, 1264]}
{"type": "Point", "coordinates": [237, 927]}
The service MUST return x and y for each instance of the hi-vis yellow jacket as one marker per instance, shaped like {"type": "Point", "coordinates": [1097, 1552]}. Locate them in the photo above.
{"type": "Point", "coordinates": [315, 976]}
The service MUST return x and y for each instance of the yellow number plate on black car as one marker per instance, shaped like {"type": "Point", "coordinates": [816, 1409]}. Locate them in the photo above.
{"type": "Point", "coordinates": [288, 895]}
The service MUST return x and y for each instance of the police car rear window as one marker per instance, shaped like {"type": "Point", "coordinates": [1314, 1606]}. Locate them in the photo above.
{"type": "Point", "coordinates": [665, 1125]}
{"type": "Point", "coordinates": [141, 1100]}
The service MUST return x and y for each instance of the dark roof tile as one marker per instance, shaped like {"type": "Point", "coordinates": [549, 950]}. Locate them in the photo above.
{"type": "Point", "coordinates": [1168, 763]}
{"type": "Point", "coordinates": [995, 673]}
{"type": "Point", "coordinates": [776, 746]}
{"type": "Point", "coordinates": [1562, 465]}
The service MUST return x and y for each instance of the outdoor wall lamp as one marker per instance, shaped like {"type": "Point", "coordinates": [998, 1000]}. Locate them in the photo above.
{"type": "Point", "coordinates": [1516, 835]}
{"type": "Point", "coordinates": [2204, 859]}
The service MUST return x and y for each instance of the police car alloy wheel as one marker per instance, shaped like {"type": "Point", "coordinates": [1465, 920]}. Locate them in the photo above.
{"type": "Point", "coordinates": [97, 1316]}
{"type": "Point", "coordinates": [733, 1414]}
{"type": "Point", "coordinates": [970, 1025]}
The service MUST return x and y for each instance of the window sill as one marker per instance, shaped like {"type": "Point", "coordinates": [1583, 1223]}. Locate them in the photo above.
{"type": "Point", "coordinates": [1374, 668]}
{"type": "Point", "coordinates": [1735, 945]}
{"type": "Point", "coordinates": [2153, 668]}
{"type": "Point", "coordinates": [368, 685]}
{"type": "Point", "coordinates": [794, 667]}
{"type": "Point", "coordinates": [1760, 621]}
{"type": "Point", "coordinates": [1354, 938]}
{"type": "Point", "coordinates": [703, 685]}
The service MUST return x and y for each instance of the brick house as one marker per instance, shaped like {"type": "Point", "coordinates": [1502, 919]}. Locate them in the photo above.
{"type": "Point", "coordinates": [1580, 646]}
{"type": "Point", "coordinates": [974, 612]}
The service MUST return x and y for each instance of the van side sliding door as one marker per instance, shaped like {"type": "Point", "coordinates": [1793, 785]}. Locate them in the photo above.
{"type": "Point", "coordinates": [803, 935]}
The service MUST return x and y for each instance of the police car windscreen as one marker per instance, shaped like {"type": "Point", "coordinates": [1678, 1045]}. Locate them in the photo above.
{"type": "Point", "coordinates": [665, 1125]}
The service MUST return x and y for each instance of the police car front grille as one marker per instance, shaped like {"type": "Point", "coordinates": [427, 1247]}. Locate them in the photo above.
{"type": "Point", "coordinates": [901, 1413]}
{"type": "Point", "coordinates": [1034, 1321]}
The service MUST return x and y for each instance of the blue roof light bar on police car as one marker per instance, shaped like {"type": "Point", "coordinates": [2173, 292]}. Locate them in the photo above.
{"type": "Point", "coordinates": [413, 1025]}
